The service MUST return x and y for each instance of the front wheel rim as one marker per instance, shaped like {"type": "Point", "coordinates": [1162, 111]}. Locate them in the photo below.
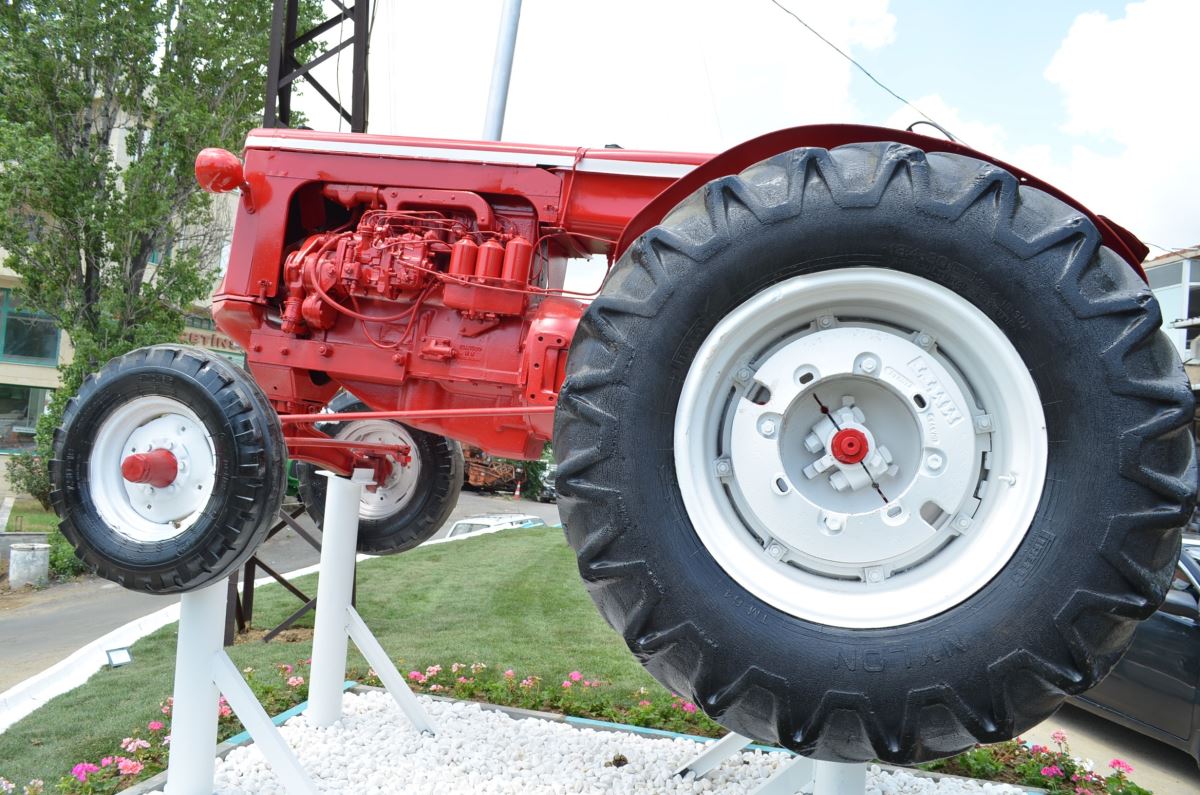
{"type": "Point", "coordinates": [860, 447]}
{"type": "Point", "coordinates": [395, 493]}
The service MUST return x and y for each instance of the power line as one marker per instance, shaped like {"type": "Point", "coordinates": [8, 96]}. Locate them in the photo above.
{"type": "Point", "coordinates": [859, 66]}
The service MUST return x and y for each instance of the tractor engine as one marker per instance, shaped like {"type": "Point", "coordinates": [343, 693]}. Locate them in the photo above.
{"type": "Point", "coordinates": [415, 309]}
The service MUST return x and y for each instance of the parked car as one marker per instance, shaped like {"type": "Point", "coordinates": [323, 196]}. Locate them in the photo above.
{"type": "Point", "coordinates": [549, 491]}
{"type": "Point", "coordinates": [491, 523]}
{"type": "Point", "coordinates": [1155, 688]}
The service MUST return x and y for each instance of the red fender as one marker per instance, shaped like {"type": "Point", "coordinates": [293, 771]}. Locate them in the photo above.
{"type": "Point", "coordinates": [827, 136]}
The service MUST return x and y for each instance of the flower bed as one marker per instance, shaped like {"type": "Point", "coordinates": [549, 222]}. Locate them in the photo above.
{"type": "Point", "coordinates": [1053, 769]}
{"type": "Point", "coordinates": [144, 752]}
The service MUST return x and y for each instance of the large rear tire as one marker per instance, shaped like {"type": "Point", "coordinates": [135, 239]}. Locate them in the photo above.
{"type": "Point", "coordinates": [415, 501]}
{"type": "Point", "coordinates": [224, 485]}
{"type": "Point", "coordinates": [873, 453]}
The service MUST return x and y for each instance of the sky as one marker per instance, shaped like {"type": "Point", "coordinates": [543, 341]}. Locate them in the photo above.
{"type": "Point", "coordinates": [1096, 97]}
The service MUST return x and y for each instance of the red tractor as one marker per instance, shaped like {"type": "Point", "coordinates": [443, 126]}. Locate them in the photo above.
{"type": "Point", "coordinates": [869, 445]}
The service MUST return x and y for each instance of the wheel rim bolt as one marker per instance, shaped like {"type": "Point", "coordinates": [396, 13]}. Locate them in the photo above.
{"type": "Point", "coordinates": [767, 427]}
{"type": "Point", "coordinates": [723, 467]}
{"type": "Point", "coordinates": [743, 374]}
{"type": "Point", "coordinates": [934, 461]}
{"type": "Point", "coordinates": [869, 365]}
{"type": "Point", "coordinates": [924, 340]}
{"type": "Point", "coordinates": [834, 524]}
{"type": "Point", "coordinates": [825, 322]}
{"type": "Point", "coordinates": [775, 551]}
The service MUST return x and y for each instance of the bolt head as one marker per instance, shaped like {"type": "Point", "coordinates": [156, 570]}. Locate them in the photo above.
{"type": "Point", "coordinates": [775, 551]}
{"type": "Point", "coordinates": [934, 461]}
{"type": "Point", "coordinates": [743, 374]}
{"type": "Point", "coordinates": [834, 523]}
{"type": "Point", "coordinates": [869, 365]}
{"type": "Point", "coordinates": [963, 522]}
{"type": "Point", "coordinates": [924, 340]}
{"type": "Point", "coordinates": [825, 322]}
{"type": "Point", "coordinates": [723, 467]}
{"type": "Point", "coordinates": [767, 427]}
{"type": "Point", "coordinates": [985, 422]}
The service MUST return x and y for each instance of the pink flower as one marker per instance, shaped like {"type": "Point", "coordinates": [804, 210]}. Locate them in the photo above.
{"type": "Point", "coordinates": [528, 682]}
{"type": "Point", "coordinates": [1052, 771]}
{"type": "Point", "coordinates": [575, 676]}
{"type": "Point", "coordinates": [1059, 736]}
{"type": "Point", "coordinates": [433, 670]}
{"type": "Point", "coordinates": [133, 744]}
{"type": "Point", "coordinates": [643, 703]}
{"type": "Point", "coordinates": [295, 681]}
{"type": "Point", "coordinates": [688, 707]}
{"type": "Point", "coordinates": [1121, 766]}
{"type": "Point", "coordinates": [509, 674]}
{"type": "Point", "coordinates": [167, 740]}
{"type": "Point", "coordinates": [155, 726]}
{"type": "Point", "coordinates": [436, 688]}
{"type": "Point", "coordinates": [285, 669]}
{"type": "Point", "coordinates": [417, 677]}
{"type": "Point", "coordinates": [456, 667]}
{"type": "Point", "coordinates": [566, 684]}
{"type": "Point", "coordinates": [476, 667]}
{"type": "Point", "coordinates": [224, 711]}
{"type": "Point", "coordinates": [462, 680]}
{"type": "Point", "coordinates": [81, 770]}
{"type": "Point", "coordinates": [108, 760]}
{"type": "Point", "coordinates": [129, 767]}
{"type": "Point", "coordinates": [1037, 749]}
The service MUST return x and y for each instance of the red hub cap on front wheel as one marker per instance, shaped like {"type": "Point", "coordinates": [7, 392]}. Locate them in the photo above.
{"type": "Point", "coordinates": [157, 467]}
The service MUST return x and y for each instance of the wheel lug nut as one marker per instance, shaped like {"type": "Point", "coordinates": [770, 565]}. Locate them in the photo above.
{"type": "Point", "coordinates": [869, 365]}
{"type": "Point", "coordinates": [834, 523]}
{"type": "Point", "coordinates": [767, 427]}
{"type": "Point", "coordinates": [934, 461]}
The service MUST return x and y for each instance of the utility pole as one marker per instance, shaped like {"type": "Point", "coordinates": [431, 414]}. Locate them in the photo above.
{"type": "Point", "coordinates": [506, 44]}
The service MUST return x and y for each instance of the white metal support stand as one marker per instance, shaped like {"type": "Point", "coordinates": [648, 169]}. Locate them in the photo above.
{"type": "Point", "coordinates": [203, 669]}
{"type": "Point", "coordinates": [800, 776]}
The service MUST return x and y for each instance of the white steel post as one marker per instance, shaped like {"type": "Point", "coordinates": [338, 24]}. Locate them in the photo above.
{"type": "Point", "coordinates": [194, 711]}
{"type": "Point", "coordinates": [837, 778]}
{"type": "Point", "coordinates": [506, 44]}
{"type": "Point", "coordinates": [335, 584]}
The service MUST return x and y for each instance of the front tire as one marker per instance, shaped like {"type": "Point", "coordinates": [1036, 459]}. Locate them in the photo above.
{"type": "Point", "coordinates": [791, 605]}
{"type": "Point", "coordinates": [226, 482]}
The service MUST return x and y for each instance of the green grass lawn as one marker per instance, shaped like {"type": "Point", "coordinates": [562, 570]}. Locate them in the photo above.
{"type": "Point", "coordinates": [28, 516]}
{"type": "Point", "coordinates": [510, 599]}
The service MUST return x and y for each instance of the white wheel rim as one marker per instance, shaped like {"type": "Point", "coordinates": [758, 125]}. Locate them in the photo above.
{"type": "Point", "coordinates": [824, 540]}
{"type": "Point", "coordinates": [401, 484]}
{"type": "Point", "coordinates": [139, 511]}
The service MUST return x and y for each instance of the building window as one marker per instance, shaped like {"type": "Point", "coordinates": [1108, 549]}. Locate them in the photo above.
{"type": "Point", "coordinates": [200, 321]}
{"type": "Point", "coordinates": [25, 336]}
{"type": "Point", "coordinates": [20, 407]}
{"type": "Point", "coordinates": [1165, 275]}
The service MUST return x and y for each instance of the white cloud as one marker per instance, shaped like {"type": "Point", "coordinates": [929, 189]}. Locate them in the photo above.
{"type": "Point", "coordinates": [1128, 88]}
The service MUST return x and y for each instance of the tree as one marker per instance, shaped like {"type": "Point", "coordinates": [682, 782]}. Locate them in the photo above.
{"type": "Point", "coordinates": [103, 106]}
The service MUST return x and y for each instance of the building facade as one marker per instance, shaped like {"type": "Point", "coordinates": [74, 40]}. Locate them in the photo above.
{"type": "Point", "coordinates": [1175, 280]}
{"type": "Point", "coordinates": [31, 349]}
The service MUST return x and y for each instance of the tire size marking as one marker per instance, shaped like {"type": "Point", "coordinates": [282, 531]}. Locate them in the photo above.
{"type": "Point", "coordinates": [876, 659]}
{"type": "Point", "coordinates": [751, 610]}
{"type": "Point", "coordinates": [1039, 542]}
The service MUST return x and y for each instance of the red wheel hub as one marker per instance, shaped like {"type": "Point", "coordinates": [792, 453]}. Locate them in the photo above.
{"type": "Point", "coordinates": [157, 467]}
{"type": "Point", "coordinates": [849, 446]}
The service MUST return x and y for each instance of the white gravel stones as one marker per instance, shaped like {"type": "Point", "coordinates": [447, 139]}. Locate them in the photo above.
{"type": "Point", "coordinates": [374, 750]}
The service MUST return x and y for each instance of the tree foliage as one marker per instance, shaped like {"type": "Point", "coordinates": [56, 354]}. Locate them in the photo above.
{"type": "Point", "coordinates": [103, 106]}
